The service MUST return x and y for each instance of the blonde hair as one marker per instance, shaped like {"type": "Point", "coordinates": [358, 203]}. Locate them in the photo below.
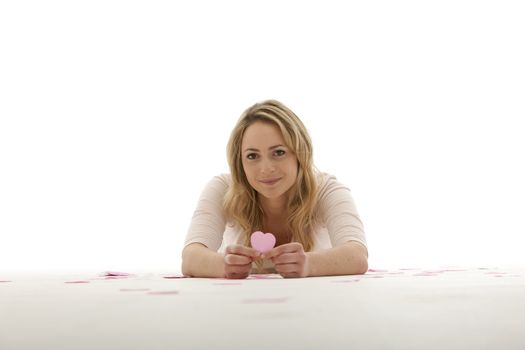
{"type": "Point", "coordinates": [241, 202]}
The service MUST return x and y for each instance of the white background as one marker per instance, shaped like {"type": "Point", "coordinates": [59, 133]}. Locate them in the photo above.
{"type": "Point", "coordinates": [115, 114]}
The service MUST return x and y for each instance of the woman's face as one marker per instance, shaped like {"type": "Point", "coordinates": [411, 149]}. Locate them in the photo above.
{"type": "Point", "coordinates": [270, 166]}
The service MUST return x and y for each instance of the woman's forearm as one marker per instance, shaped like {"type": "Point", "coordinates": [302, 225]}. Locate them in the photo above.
{"type": "Point", "coordinates": [347, 259]}
{"type": "Point", "coordinates": [199, 261]}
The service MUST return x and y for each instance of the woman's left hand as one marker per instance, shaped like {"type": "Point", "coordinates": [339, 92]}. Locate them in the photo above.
{"type": "Point", "coordinates": [289, 259]}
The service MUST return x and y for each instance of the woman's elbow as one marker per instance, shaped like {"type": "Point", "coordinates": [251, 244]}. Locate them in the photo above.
{"type": "Point", "coordinates": [185, 265]}
{"type": "Point", "coordinates": [363, 266]}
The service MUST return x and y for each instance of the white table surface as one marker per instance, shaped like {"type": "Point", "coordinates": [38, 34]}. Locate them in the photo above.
{"type": "Point", "coordinates": [446, 308]}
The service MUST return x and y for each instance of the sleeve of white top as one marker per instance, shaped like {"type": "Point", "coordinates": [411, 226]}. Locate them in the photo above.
{"type": "Point", "coordinates": [208, 223]}
{"type": "Point", "coordinates": [339, 213]}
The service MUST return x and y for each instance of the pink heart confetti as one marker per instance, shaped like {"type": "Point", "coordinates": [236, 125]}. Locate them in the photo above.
{"type": "Point", "coordinates": [377, 270]}
{"type": "Point", "coordinates": [115, 274]}
{"type": "Point", "coordinates": [77, 282]}
{"type": "Point", "coordinates": [263, 242]}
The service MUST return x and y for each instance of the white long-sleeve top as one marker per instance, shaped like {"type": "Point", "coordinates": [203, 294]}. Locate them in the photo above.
{"type": "Point", "coordinates": [338, 219]}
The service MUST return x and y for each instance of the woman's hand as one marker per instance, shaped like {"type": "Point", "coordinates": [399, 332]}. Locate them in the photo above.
{"type": "Point", "coordinates": [289, 259]}
{"type": "Point", "coordinates": [238, 261]}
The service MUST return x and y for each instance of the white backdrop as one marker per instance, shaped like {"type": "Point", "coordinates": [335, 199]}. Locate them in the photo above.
{"type": "Point", "coordinates": [115, 114]}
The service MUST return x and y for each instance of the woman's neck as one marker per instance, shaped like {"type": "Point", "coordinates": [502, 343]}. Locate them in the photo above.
{"type": "Point", "coordinates": [274, 208]}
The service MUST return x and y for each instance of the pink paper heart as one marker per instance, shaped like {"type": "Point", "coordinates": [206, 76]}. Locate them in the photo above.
{"type": "Point", "coordinates": [263, 242]}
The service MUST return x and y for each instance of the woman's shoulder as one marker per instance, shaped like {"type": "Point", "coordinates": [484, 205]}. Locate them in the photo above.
{"type": "Point", "coordinates": [222, 178]}
{"type": "Point", "coordinates": [327, 184]}
{"type": "Point", "coordinates": [218, 183]}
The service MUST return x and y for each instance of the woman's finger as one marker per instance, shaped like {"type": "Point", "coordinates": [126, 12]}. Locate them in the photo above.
{"type": "Point", "coordinates": [242, 250]}
{"type": "Point", "coordinates": [284, 248]}
{"type": "Point", "coordinates": [286, 258]}
{"type": "Point", "coordinates": [234, 259]}
{"type": "Point", "coordinates": [287, 268]}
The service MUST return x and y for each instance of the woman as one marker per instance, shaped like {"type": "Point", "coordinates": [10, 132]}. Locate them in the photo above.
{"type": "Point", "coordinates": [274, 187]}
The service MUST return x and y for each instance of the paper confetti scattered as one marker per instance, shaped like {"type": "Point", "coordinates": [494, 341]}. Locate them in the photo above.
{"type": "Point", "coordinates": [116, 274]}
{"type": "Point", "coordinates": [76, 282]}
{"type": "Point", "coordinates": [377, 270]}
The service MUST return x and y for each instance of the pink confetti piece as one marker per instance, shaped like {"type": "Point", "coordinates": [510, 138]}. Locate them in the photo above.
{"type": "Point", "coordinates": [77, 282]}
{"type": "Point", "coordinates": [446, 269]}
{"type": "Point", "coordinates": [377, 270]}
{"type": "Point", "coordinates": [116, 274]}
{"type": "Point", "coordinates": [165, 292]}
{"type": "Point", "coordinates": [134, 289]}
{"type": "Point", "coordinates": [265, 301]}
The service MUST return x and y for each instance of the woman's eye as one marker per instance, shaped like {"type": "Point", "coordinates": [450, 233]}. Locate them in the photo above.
{"type": "Point", "coordinates": [251, 156]}
{"type": "Point", "coordinates": [280, 152]}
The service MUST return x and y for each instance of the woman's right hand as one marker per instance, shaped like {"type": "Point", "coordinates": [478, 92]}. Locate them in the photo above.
{"type": "Point", "coordinates": [238, 261]}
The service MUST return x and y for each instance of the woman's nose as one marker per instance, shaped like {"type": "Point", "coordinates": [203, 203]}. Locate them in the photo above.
{"type": "Point", "coordinates": [267, 166]}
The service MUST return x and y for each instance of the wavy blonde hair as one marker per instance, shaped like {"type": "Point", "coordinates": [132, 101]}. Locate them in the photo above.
{"type": "Point", "coordinates": [241, 201]}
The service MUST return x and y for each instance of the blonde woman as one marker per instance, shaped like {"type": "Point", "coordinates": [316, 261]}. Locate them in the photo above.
{"type": "Point", "coordinates": [274, 187]}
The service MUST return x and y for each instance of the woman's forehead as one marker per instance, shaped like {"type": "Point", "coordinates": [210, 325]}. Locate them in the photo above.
{"type": "Point", "coordinates": [262, 135]}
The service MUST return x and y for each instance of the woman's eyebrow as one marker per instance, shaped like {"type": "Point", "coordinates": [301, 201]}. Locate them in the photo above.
{"type": "Point", "coordinates": [255, 149]}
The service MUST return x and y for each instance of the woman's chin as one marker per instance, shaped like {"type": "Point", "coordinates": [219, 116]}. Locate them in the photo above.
{"type": "Point", "coordinates": [270, 195]}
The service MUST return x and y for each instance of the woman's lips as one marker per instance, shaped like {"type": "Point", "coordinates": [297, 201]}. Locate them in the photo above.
{"type": "Point", "coordinates": [270, 181]}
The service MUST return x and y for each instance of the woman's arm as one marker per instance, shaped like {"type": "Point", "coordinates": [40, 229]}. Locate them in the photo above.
{"type": "Point", "coordinates": [199, 256]}
{"type": "Point", "coordinates": [338, 211]}
{"type": "Point", "coordinates": [290, 260]}
{"type": "Point", "coordinates": [200, 261]}
{"type": "Point", "coordinates": [350, 258]}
